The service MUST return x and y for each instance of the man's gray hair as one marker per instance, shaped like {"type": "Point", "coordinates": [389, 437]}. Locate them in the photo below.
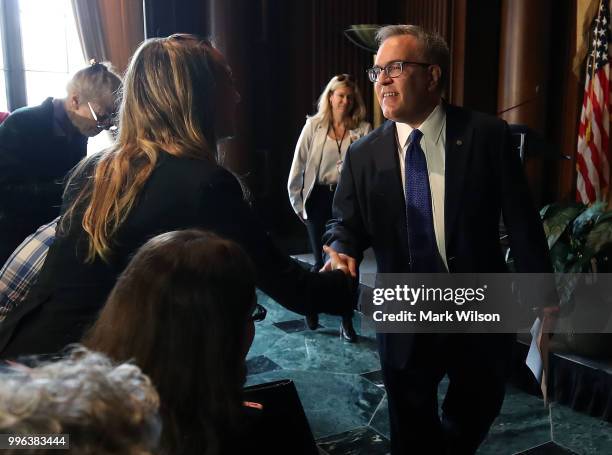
{"type": "Point", "coordinates": [94, 81]}
{"type": "Point", "coordinates": [435, 50]}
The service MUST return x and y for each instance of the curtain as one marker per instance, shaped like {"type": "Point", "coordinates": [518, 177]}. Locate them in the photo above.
{"type": "Point", "coordinates": [89, 28]}
{"type": "Point", "coordinates": [123, 25]}
{"type": "Point", "coordinates": [110, 30]}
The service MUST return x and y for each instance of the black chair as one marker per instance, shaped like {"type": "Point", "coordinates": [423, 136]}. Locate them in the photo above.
{"type": "Point", "coordinates": [530, 144]}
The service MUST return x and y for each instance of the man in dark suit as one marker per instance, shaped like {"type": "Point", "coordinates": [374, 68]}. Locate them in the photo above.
{"type": "Point", "coordinates": [426, 191]}
{"type": "Point", "coordinates": [40, 144]}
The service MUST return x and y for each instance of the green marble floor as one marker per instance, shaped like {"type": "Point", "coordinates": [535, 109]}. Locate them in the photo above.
{"type": "Point", "coordinates": [341, 390]}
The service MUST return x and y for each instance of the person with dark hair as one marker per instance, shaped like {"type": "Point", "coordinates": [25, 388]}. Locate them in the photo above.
{"type": "Point", "coordinates": [315, 170]}
{"type": "Point", "coordinates": [83, 404]}
{"type": "Point", "coordinates": [426, 191]}
{"type": "Point", "coordinates": [183, 310]}
{"type": "Point", "coordinates": [161, 175]}
{"type": "Point", "coordinates": [40, 144]}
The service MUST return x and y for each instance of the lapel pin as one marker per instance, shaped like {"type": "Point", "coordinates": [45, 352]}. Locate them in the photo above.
{"type": "Point", "coordinates": [459, 142]}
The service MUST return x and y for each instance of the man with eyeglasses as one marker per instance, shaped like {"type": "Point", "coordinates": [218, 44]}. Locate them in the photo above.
{"type": "Point", "coordinates": [40, 144]}
{"type": "Point", "coordinates": [426, 191]}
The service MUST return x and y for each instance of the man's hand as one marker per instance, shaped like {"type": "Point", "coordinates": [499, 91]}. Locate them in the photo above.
{"type": "Point", "coordinates": [548, 316]}
{"type": "Point", "coordinates": [339, 261]}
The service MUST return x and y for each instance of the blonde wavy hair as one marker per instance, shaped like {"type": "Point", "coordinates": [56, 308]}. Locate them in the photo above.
{"type": "Point", "coordinates": [167, 105]}
{"type": "Point", "coordinates": [358, 109]}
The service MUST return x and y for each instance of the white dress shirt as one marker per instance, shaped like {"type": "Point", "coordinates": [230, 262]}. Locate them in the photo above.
{"type": "Point", "coordinates": [433, 144]}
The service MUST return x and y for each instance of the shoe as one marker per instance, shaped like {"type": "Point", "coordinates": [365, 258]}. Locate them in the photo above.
{"type": "Point", "coordinates": [312, 321]}
{"type": "Point", "coordinates": [347, 331]}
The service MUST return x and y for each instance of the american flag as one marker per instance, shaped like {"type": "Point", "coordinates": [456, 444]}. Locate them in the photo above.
{"type": "Point", "coordinates": [593, 157]}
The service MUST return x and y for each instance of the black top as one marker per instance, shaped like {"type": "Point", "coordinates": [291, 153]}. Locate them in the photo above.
{"type": "Point", "coordinates": [181, 193]}
{"type": "Point", "coordinates": [33, 160]}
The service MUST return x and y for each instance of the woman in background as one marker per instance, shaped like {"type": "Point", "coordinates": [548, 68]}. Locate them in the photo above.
{"type": "Point", "coordinates": [160, 176]}
{"type": "Point", "coordinates": [183, 310]}
{"type": "Point", "coordinates": [317, 163]}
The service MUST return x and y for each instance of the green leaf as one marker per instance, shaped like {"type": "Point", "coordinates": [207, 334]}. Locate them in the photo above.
{"type": "Point", "coordinates": [605, 216]}
{"type": "Point", "coordinates": [559, 218]}
{"type": "Point", "coordinates": [547, 210]}
{"type": "Point", "coordinates": [583, 223]}
{"type": "Point", "coordinates": [560, 256]}
{"type": "Point", "coordinates": [566, 285]}
{"type": "Point", "coordinates": [600, 235]}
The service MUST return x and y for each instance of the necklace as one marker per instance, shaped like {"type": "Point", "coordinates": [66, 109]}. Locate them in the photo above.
{"type": "Point", "coordinates": [338, 143]}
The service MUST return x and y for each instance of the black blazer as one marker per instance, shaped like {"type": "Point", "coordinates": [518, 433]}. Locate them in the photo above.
{"type": "Point", "coordinates": [33, 161]}
{"type": "Point", "coordinates": [483, 180]}
{"type": "Point", "coordinates": [180, 193]}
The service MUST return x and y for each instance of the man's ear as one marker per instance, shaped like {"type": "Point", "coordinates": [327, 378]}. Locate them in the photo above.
{"type": "Point", "coordinates": [436, 74]}
{"type": "Point", "coordinates": [74, 101]}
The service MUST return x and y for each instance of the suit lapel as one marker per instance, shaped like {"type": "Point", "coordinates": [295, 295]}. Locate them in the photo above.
{"type": "Point", "coordinates": [458, 152]}
{"type": "Point", "coordinates": [389, 181]}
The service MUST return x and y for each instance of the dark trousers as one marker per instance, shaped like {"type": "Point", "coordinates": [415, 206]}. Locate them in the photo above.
{"type": "Point", "coordinates": [318, 209]}
{"type": "Point", "coordinates": [477, 366]}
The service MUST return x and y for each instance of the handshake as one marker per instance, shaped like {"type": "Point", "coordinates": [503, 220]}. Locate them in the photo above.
{"type": "Point", "coordinates": [339, 261]}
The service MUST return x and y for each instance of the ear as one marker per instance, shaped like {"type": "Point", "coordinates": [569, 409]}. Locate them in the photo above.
{"type": "Point", "coordinates": [436, 74]}
{"type": "Point", "coordinates": [74, 101]}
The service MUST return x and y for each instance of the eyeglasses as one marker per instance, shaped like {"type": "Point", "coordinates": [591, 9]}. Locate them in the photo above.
{"type": "Point", "coordinates": [190, 37]}
{"type": "Point", "coordinates": [392, 70]}
{"type": "Point", "coordinates": [344, 77]}
{"type": "Point", "coordinates": [258, 313]}
{"type": "Point", "coordinates": [103, 122]}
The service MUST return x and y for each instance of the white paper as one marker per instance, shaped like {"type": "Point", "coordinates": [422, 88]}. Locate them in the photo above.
{"type": "Point", "coordinates": [534, 357]}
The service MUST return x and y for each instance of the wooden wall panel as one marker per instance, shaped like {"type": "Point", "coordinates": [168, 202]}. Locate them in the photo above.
{"type": "Point", "coordinates": [431, 14]}
{"type": "Point", "coordinates": [471, 29]}
{"type": "Point", "coordinates": [165, 17]}
{"type": "Point", "coordinates": [564, 103]}
{"type": "Point", "coordinates": [123, 29]}
{"type": "Point", "coordinates": [474, 47]}
{"type": "Point", "coordinates": [331, 52]}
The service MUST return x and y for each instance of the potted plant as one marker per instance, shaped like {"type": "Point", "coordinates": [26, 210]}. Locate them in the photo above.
{"type": "Point", "coordinates": [580, 242]}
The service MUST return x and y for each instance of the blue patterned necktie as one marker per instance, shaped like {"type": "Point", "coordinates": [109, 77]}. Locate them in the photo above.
{"type": "Point", "coordinates": [424, 256]}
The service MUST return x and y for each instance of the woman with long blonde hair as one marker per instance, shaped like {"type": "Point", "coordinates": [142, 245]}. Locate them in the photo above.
{"type": "Point", "coordinates": [162, 175]}
{"type": "Point", "coordinates": [316, 166]}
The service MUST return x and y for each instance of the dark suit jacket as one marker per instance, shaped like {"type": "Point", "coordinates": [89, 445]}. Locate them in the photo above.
{"type": "Point", "coordinates": [33, 161]}
{"type": "Point", "coordinates": [180, 193]}
{"type": "Point", "coordinates": [483, 180]}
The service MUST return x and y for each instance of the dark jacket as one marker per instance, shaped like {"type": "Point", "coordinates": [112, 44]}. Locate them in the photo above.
{"type": "Point", "coordinates": [181, 193]}
{"type": "Point", "coordinates": [33, 161]}
{"type": "Point", "coordinates": [483, 180]}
